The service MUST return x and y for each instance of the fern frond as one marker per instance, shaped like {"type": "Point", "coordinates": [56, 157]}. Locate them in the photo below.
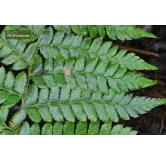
{"type": "Point", "coordinates": [11, 92]}
{"type": "Point", "coordinates": [61, 104]}
{"type": "Point", "coordinates": [93, 74]}
{"type": "Point", "coordinates": [75, 46]}
{"type": "Point", "coordinates": [114, 32]}
{"type": "Point", "coordinates": [71, 129]}
{"type": "Point", "coordinates": [11, 88]}
{"type": "Point", "coordinates": [68, 128]}
{"type": "Point", "coordinates": [14, 52]}
{"type": "Point", "coordinates": [12, 125]}
{"type": "Point", "coordinates": [72, 84]}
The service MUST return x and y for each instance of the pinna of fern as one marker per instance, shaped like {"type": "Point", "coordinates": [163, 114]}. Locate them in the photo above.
{"type": "Point", "coordinates": [114, 32]}
{"type": "Point", "coordinates": [71, 83]}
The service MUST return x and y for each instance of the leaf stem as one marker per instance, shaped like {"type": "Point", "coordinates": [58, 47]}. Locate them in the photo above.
{"type": "Point", "coordinates": [29, 72]}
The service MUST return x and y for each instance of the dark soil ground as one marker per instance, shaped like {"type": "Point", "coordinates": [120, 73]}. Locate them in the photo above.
{"type": "Point", "coordinates": [152, 123]}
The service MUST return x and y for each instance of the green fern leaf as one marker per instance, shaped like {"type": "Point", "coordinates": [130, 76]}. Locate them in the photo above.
{"type": "Point", "coordinates": [18, 118]}
{"type": "Point", "coordinates": [14, 52]}
{"type": "Point", "coordinates": [71, 81]}
{"type": "Point", "coordinates": [81, 128]}
{"type": "Point", "coordinates": [11, 88]}
{"type": "Point", "coordinates": [3, 115]}
{"type": "Point", "coordinates": [35, 129]}
{"type": "Point", "coordinates": [69, 46]}
{"type": "Point", "coordinates": [68, 104]}
{"type": "Point", "coordinates": [25, 129]}
{"type": "Point", "coordinates": [6, 132]}
{"type": "Point", "coordinates": [114, 32]}
{"type": "Point", "coordinates": [94, 74]}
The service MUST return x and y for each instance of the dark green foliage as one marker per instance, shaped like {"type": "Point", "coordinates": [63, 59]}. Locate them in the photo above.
{"type": "Point", "coordinates": [69, 128]}
{"type": "Point", "coordinates": [114, 32]}
{"type": "Point", "coordinates": [14, 52]}
{"type": "Point", "coordinates": [69, 45]}
{"type": "Point", "coordinates": [65, 104]}
{"type": "Point", "coordinates": [68, 80]}
{"type": "Point", "coordinates": [11, 88]}
{"type": "Point", "coordinates": [88, 75]}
